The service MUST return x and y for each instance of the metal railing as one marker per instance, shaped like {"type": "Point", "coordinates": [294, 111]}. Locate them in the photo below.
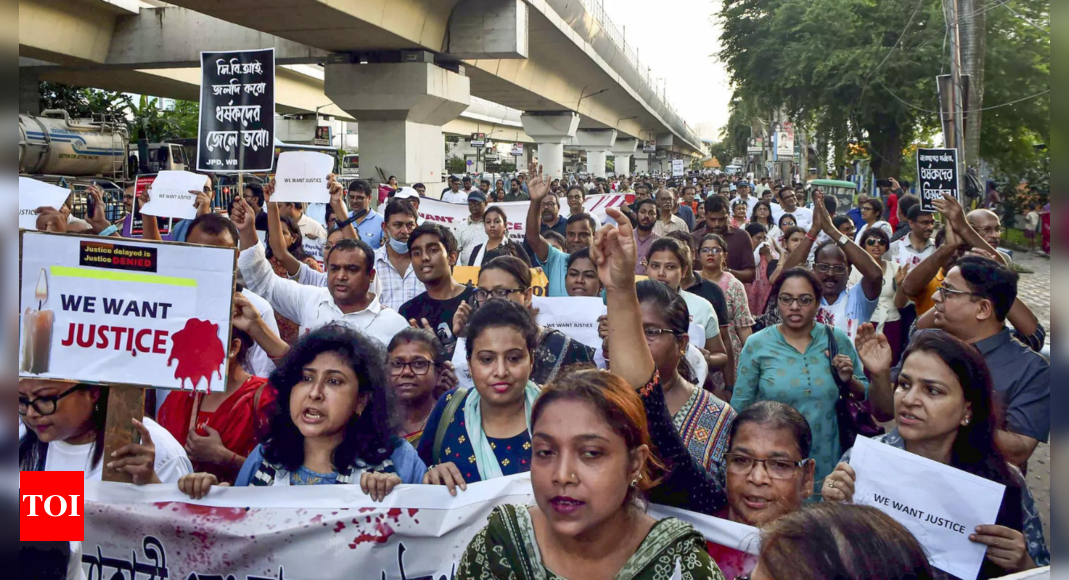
{"type": "Point", "coordinates": [596, 8]}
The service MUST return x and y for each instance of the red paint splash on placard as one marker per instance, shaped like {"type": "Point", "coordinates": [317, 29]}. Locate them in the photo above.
{"type": "Point", "coordinates": [383, 533]}
{"type": "Point", "coordinates": [206, 513]}
{"type": "Point", "coordinates": [199, 352]}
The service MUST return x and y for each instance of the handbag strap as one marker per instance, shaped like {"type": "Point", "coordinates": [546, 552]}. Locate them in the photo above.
{"type": "Point", "coordinates": [833, 351]}
{"type": "Point", "coordinates": [447, 418]}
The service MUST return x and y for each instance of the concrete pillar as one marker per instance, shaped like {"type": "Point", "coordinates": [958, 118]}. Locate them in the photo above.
{"type": "Point", "coordinates": [551, 131]}
{"type": "Point", "coordinates": [623, 150]}
{"type": "Point", "coordinates": [596, 143]}
{"type": "Point", "coordinates": [401, 108]}
{"type": "Point", "coordinates": [642, 164]}
{"type": "Point", "coordinates": [29, 92]}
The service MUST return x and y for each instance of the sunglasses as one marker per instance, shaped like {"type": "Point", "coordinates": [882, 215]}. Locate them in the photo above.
{"type": "Point", "coordinates": [873, 242]}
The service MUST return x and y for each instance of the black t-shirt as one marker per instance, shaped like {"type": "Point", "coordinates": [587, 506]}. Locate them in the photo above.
{"type": "Point", "coordinates": [439, 313]}
{"type": "Point", "coordinates": [715, 296]}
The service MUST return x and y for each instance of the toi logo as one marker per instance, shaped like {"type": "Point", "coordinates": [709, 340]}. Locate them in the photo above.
{"type": "Point", "coordinates": [51, 506]}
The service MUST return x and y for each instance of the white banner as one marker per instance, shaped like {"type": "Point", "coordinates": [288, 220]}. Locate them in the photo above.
{"type": "Point", "coordinates": [575, 317]}
{"type": "Point", "coordinates": [35, 194]}
{"type": "Point", "coordinates": [307, 533]}
{"type": "Point", "coordinates": [302, 177]}
{"type": "Point", "coordinates": [938, 504]}
{"type": "Point", "coordinates": [173, 195]}
{"type": "Point", "coordinates": [455, 215]}
{"type": "Point", "coordinates": [123, 312]}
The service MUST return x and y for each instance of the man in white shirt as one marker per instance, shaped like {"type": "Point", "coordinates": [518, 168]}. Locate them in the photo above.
{"type": "Point", "coordinates": [744, 196]}
{"type": "Point", "coordinates": [346, 299]}
{"type": "Point", "coordinates": [314, 234]}
{"type": "Point", "coordinates": [918, 245]}
{"type": "Point", "coordinates": [454, 195]}
{"type": "Point", "coordinates": [788, 200]}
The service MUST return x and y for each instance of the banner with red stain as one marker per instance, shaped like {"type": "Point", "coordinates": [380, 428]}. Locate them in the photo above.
{"type": "Point", "coordinates": [313, 533]}
{"type": "Point", "coordinates": [124, 312]}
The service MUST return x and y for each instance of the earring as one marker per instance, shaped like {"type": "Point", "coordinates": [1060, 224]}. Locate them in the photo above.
{"type": "Point", "coordinates": [634, 483]}
{"type": "Point", "coordinates": [967, 421]}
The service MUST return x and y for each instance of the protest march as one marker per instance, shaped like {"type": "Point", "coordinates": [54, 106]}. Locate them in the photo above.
{"type": "Point", "coordinates": [258, 367]}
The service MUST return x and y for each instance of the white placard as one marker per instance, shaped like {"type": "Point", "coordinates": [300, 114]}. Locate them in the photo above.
{"type": "Point", "coordinates": [455, 215]}
{"type": "Point", "coordinates": [174, 194]}
{"type": "Point", "coordinates": [678, 170]}
{"type": "Point", "coordinates": [302, 177]}
{"type": "Point", "coordinates": [106, 311]}
{"type": "Point", "coordinates": [938, 504]}
{"type": "Point", "coordinates": [35, 194]}
{"type": "Point", "coordinates": [575, 317]}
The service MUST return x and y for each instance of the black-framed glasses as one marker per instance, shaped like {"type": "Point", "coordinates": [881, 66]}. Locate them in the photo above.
{"type": "Point", "coordinates": [46, 406]}
{"type": "Point", "coordinates": [497, 293]}
{"type": "Point", "coordinates": [711, 251]}
{"type": "Point", "coordinates": [786, 300]}
{"type": "Point", "coordinates": [873, 242]}
{"type": "Point", "coordinates": [738, 464]}
{"type": "Point", "coordinates": [420, 367]}
{"type": "Point", "coordinates": [830, 269]}
{"type": "Point", "coordinates": [655, 333]}
{"type": "Point", "coordinates": [946, 292]}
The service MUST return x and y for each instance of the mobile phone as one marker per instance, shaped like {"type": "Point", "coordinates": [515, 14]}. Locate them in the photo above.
{"type": "Point", "coordinates": [883, 183]}
{"type": "Point", "coordinates": [471, 299]}
{"type": "Point", "coordinates": [90, 203]}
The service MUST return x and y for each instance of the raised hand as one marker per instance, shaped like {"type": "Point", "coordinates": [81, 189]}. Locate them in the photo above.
{"type": "Point", "coordinates": [616, 253]}
{"type": "Point", "coordinates": [245, 316]}
{"type": "Point", "coordinates": [874, 350]}
{"type": "Point", "coordinates": [137, 460]}
{"type": "Point", "coordinates": [951, 209]}
{"type": "Point", "coordinates": [98, 219]}
{"type": "Point", "coordinates": [537, 184]}
{"type": "Point", "coordinates": [379, 485]}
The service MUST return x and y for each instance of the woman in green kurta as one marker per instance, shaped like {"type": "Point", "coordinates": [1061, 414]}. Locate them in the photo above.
{"type": "Point", "coordinates": [592, 465]}
{"type": "Point", "coordinates": [788, 363]}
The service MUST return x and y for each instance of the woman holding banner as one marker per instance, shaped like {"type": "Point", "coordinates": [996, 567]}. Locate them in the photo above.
{"type": "Point", "coordinates": [65, 432]}
{"type": "Point", "coordinates": [496, 223]}
{"type": "Point", "coordinates": [332, 423]}
{"type": "Point", "coordinates": [593, 465]}
{"type": "Point", "coordinates": [945, 411]}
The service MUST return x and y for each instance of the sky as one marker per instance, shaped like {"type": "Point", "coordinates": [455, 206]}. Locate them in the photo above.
{"type": "Point", "coordinates": [677, 38]}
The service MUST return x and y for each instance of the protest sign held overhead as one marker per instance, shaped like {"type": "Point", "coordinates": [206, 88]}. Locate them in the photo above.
{"type": "Point", "coordinates": [575, 317]}
{"type": "Point", "coordinates": [237, 111]}
{"type": "Point", "coordinates": [454, 215]}
{"type": "Point", "coordinates": [302, 177]}
{"type": "Point", "coordinates": [124, 312]}
{"type": "Point", "coordinates": [938, 504]}
{"type": "Point", "coordinates": [938, 173]}
{"type": "Point", "coordinates": [35, 194]}
{"type": "Point", "coordinates": [173, 194]}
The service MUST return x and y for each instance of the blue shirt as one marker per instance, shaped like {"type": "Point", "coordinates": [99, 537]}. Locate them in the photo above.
{"type": "Point", "coordinates": [405, 460]}
{"type": "Point", "coordinates": [770, 369]}
{"type": "Point", "coordinates": [850, 311]}
{"type": "Point", "coordinates": [370, 230]}
{"type": "Point", "coordinates": [556, 268]}
{"type": "Point", "coordinates": [855, 214]}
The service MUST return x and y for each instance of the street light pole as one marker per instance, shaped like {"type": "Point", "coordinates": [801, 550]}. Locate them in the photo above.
{"type": "Point", "coordinates": [956, 137]}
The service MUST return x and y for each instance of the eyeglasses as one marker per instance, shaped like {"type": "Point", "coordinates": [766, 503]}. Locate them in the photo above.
{"type": "Point", "coordinates": [711, 251]}
{"type": "Point", "coordinates": [786, 300]}
{"type": "Point", "coordinates": [776, 468]}
{"type": "Point", "coordinates": [945, 293]}
{"type": "Point", "coordinates": [655, 333]}
{"type": "Point", "coordinates": [829, 269]}
{"type": "Point", "coordinates": [992, 231]}
{"type": "Point", "coordinates": [45, 406]}
{"type": "Point", "coordinates": [420, 367]}
{"type": "Point", "coordinates": [498, 293]}
{"type": "Point", "coordinates": [873, 242]}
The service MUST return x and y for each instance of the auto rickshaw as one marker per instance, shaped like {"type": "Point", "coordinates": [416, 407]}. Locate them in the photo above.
{"type": "Point", "coordinates": [844, 192]}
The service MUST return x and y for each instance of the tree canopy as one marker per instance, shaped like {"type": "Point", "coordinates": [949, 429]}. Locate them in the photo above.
{"type": "Point", "coordinates": [144, 118]}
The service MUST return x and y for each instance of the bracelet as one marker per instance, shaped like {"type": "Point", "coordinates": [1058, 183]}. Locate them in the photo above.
{"type": "Point", "coordinates": [109, 231]}
{"type": "Point", "coordinates": [811, 237]}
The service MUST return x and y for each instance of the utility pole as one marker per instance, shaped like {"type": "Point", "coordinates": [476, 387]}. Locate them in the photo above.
{"type": "Point", "coordinates": [973, 49]}
{"type": "Point", "coordinates": [955, 137]}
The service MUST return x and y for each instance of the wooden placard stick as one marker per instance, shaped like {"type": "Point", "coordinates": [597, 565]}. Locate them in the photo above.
{"type": "Point", "coordinates": [124, 405]}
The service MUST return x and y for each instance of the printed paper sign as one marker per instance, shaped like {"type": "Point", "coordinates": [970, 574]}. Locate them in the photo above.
{"type": "Point", "coordinates": [237, 111]}
{"type": "Point", "coordinates": [456, 215]}
{"type": "Point", "coordinates": [418, 532]}
{"type": "Point", "coordinates": [938, 172]}
{"type": "Point", "coordinates": [35, 194]}
{"type": "Point", "coordinates": [106, 311]}
{"type": "Point", "coordinates": [469, 276]}
{"type": "Point", "coordinates": [174, 194]}
{"type": "Point", "coordinates": [575, 317]}
{"type": "Point", "coordinates": [302, 177]}
{"type": "Point", "coordinates": [940, 505]}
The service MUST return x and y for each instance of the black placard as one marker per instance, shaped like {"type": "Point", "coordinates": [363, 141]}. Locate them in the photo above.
{"type": "Point", "coordinates": [937, 170]}
{"type": "Point", "coordinates": [237, 112]}
{"type": "Point", "coordinates": [118, 257]}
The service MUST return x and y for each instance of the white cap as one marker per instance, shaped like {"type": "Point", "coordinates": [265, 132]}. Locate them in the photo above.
{"type": "Point", "coordinates": [406, 193]}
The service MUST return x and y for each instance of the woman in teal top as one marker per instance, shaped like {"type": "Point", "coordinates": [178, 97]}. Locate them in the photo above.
{"type": "Point", "coordinates": [788, 363]}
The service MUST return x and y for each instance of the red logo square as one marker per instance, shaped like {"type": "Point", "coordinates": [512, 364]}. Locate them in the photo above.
{"type": "Point", "coordinates": [51, 506]}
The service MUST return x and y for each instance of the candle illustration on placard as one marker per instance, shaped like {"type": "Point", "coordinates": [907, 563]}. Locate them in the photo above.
{"type": "Point", "coordinates": [37, 331]}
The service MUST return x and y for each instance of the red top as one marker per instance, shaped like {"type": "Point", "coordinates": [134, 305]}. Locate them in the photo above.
{"type": "Point", "coordinates": [239, 420]}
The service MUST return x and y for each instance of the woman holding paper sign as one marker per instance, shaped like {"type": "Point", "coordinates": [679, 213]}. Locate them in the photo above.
{"type": "Point", "coordinates": [65, 432]}
{"type": "Point", "coordinates": [945, 411]}
{"type": "Point", "coordinates": [331, 425]}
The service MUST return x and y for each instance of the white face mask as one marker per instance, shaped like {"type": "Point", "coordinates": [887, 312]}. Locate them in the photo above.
{"type": "Point", "coordinates": [396, 246]}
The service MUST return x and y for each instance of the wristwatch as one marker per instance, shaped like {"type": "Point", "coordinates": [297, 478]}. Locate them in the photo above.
{"type": "Point", "coordinates": [843, 240]}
